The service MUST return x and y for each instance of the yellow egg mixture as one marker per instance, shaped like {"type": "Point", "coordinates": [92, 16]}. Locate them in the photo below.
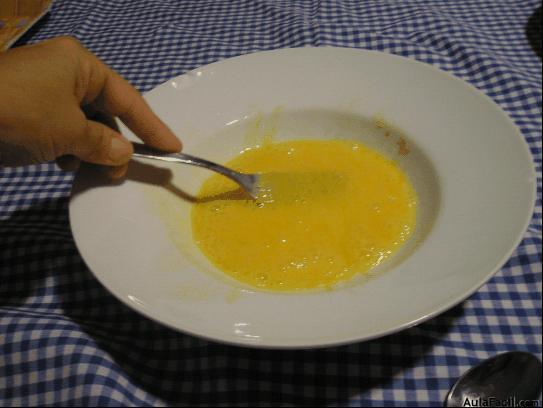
{"type": "Point", "coordinates": [327, 210]}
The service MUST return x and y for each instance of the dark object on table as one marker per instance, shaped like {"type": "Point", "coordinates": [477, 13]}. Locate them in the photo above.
{"type": "Point", "coordinates": [533, 31]}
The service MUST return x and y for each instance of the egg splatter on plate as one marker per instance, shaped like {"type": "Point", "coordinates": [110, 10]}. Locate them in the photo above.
{"type": "Point", "coordinates": [327, 210]}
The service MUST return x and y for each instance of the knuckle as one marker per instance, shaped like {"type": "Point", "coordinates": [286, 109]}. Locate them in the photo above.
{"type": "Point", "coordinates": [125, 111]}
{"type": "Point", "coordinates": [68, 42]}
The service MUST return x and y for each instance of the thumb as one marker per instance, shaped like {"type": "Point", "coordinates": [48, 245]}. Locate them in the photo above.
{"type": "Point", "coordinates": [100, 144]}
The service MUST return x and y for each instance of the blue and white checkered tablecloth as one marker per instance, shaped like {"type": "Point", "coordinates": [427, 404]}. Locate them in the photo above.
{"type": "Point", "coordinates": [64, 340]}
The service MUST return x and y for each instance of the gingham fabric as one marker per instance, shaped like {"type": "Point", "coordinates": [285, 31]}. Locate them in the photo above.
{"type": "Point", "coordinates": [65, 340]}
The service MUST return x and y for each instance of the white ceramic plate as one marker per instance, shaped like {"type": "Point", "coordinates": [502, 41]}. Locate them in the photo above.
{"type": "Point", "coordinates": [469, 164]}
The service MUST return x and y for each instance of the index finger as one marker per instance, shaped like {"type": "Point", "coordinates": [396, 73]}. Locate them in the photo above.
{"type": "Point", "coordinates": [116, 97]}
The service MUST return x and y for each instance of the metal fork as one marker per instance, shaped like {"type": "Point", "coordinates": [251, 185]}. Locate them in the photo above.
{"type": "Point", "coordinates": [248, 182]}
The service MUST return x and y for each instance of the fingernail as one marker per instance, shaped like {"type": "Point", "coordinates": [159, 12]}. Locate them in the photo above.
{"type": "Point", "coordinates": [119, 150]}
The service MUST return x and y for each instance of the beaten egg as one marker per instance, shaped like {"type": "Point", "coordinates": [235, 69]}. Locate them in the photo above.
{"type": "Point", "coordinates": [326, 211]}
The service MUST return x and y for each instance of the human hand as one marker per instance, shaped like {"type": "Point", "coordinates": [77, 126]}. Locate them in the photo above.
{"type": "Point", "coordinates": [48, 92]}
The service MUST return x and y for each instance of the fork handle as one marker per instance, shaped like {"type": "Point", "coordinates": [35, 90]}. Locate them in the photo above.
{"type": "Point", "coordinates": [244, 180]}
